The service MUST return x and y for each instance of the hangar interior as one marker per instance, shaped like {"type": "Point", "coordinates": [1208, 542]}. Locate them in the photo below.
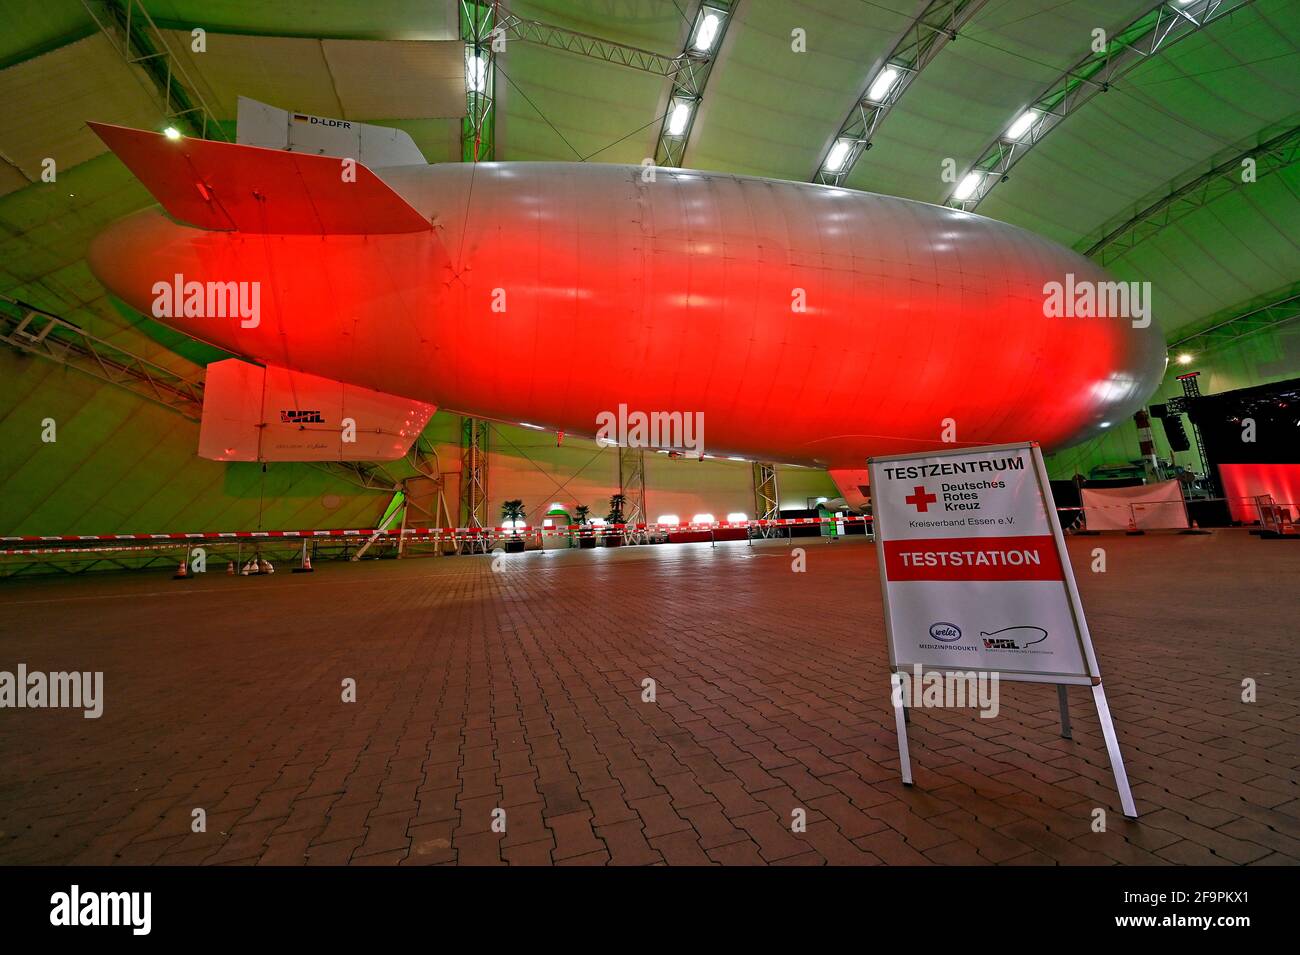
{"type": "Point", "coordinates": [1145, 177]}
{"type": "Point", "coordinates": [386, 711]}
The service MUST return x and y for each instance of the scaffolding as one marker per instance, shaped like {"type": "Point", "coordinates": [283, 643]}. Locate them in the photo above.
{"type": "Point", "coordinates": [1192, 391]}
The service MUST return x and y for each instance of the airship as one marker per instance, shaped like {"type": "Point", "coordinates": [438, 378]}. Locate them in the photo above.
{"type": "Point", "coordinates": [354, 284]}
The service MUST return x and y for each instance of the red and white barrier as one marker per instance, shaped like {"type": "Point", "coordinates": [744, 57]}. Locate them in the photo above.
{"type": "Point", "coordinates": [451, 534]}
{"type": "Point", "coordinates": [422, 534]}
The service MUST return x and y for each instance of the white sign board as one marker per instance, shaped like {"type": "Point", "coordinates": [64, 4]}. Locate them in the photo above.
{"type": "Point", "coordinates": [973, 566]}
{"type": "Point", "coordinates": [975, 577]}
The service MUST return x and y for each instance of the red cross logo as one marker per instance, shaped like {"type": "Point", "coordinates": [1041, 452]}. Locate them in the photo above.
{"type": "Point", "coordinates": [921, 499]}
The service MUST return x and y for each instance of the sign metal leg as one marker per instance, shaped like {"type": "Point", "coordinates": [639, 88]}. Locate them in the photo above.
{"type": "Point", "coordinates": [1065, 711]}
{"type": "Point", "coordinates": [900, 722]}
{"type": "Point", "coordinates": [1112, 748]}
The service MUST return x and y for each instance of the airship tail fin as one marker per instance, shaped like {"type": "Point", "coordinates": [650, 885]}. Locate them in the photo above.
{"type": "Point", "coordinates": [259, 124]}
{"type": "Point", "coordinates": [251, 413]}
{"type": "Point", "coordinates": [853, 485]}
{"type": "Point", "coordinates": [233, 187]}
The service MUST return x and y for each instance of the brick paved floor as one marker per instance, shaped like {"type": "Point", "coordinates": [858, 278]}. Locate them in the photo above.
{"type": "Point", "coordinates": [521, 691]}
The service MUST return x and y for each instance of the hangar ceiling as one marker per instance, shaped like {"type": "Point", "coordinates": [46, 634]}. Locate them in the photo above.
{"type": "Point", "coordinates": [767, 111]}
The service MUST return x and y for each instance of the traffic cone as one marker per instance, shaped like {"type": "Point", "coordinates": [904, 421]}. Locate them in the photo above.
{"type": "Point", "coordinates": [230, 568]}
{"type": "Point", "coordinates": [306, 565]}
{"type": "Point", "coordinates": [182, 572]}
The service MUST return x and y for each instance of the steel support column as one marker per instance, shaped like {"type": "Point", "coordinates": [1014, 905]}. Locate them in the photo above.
{"type": "Point", "coordinates": [478, 28]}
{"type": "Point", "coordinates": [473, 480]}
{"type": "Point", "coordinates": [631, 484]}
{"type": "Point", "coordinates": [767, 497]}
{"type": "Point", "coordinates": [1192, 391]}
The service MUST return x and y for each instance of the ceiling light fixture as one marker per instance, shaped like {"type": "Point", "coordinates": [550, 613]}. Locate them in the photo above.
{"type": "Point", "coordinates": [966, 188]}
{"type": "Point", "coordinates": [706, 33]}
{"type": "Point", "coordinates": [1024, 122]}
{"type": "Point", "coordinates": [680, 117]}
{"type": "Point", "coordinates": [475, 71]}
{"type": "Point", "coordinates": [838, 154]}
{"type": "Point", "coordinates": [882, 84]}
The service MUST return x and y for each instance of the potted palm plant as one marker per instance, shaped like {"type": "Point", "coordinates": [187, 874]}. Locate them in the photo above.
{"type": "Point", "coordinates": [513, 512]}
{"type": "Point", "coordinates": [614, 538]}
{"type": "Point", "coordinates": [585, 537]}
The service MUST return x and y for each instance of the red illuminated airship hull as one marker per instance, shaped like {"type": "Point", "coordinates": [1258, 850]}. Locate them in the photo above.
{"type": "Point", "coordinates": [808, 324]}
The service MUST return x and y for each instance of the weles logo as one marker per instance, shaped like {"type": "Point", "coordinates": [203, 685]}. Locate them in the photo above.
{"type": "Point", "coordinates": [945, 632]}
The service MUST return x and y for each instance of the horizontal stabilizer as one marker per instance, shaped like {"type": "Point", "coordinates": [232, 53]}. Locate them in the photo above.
{"type": "Point", "coordinates": [251, 413]}
{"type": "Point", "coordinates": [233, 187]}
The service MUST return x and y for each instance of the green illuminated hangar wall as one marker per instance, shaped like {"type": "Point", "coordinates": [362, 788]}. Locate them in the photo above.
{"type": "Point", "coordinates": [1265, 356]}
{"type": "Point", "coordinates": [120, 464]}
{"type": "Point", "coordinates": [123, 464]}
